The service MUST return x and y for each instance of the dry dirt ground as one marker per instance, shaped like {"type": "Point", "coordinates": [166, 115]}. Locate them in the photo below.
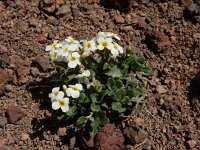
{"type": "Point", "coordinates": [167, 33]}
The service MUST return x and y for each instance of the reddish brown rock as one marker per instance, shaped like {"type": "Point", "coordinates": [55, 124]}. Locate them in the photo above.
{"type": "Point", "coordinates": [119, 19]}
{"type": "Point", "coordinates": [94, 1]}
{"type": "Point", "coordinates": [4, 78]}
{"type": "Point", "coordinates": [42, 39]}
{"type": "Point", "coordinates": [110, 138]}
{"type": "Point", "coordinates": [14, 113]}
{"type": "Point", "coordinates": [135, 134]}
{"type": "Point", "coordinates": [142, 24]}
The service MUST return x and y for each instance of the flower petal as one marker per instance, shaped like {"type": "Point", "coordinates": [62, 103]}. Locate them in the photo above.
{"type": "Point", "coordinates": [72, 64]}
{"type": "Point", "coordinates": [73, 47]}
{"type": "Point", "coordinates": [65, 108]}
{"type": "Point", "coordinates": [55, 105]}
{"type": "Point", "coordinates": [68, 91]}
{"type": "Point", "coordinates": [75, 94]}
{"type": "Point", "coordinates": [79, 86]}
{"type": "Point", "coordinates": [76, 54]}
{"type": "Point", "coordinates": [100, 47]}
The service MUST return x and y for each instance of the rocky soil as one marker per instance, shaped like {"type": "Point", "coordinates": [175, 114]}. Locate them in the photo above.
{"type": "Point", "coordinates": [167, 33]}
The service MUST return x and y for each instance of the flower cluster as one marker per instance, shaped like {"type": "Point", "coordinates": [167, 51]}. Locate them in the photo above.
{"type": "Point", "coordinates": [72, 52]}
{"type": "Point", "coordinates": [95, 81]}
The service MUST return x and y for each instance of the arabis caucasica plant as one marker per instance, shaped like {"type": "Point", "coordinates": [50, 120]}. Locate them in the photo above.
{"type": "Point", "coordinates": [98, 80]}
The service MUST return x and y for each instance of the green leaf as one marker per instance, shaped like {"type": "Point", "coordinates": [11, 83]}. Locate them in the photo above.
{"type": "Point", "coordinates": [95, 125]}
{"type": "Point", "coordinates": [109, 92]}
{"type": "Point", "coordinates": [93, 97]}
{"type": "Point", "coordinates": [111, 84]}
{"type": "Point", "coordinates": [71, 112]}
{"type": "Point", "coordinates": [102, 116]}
{"type": "Point", "coordinates": [125, 101]}
{"type": "Point", "coordinates": [95, 108]}
{"type": "Point", "coordinates": [98, 85]}
{"type": "Point", "coordinates": [114, 72]}
{"type": "Point", "coordinates": [117, 106]}
{"type": "Point", "coordinates": [80, 121]}
{"type": "Point", "coordinates": [119, 84]}
{"type": "Point", "coordinates": [130, 93]}
{"type": "Point", "coordinates": [82, 98]}
{"type": "Point", "coordinates": [119, 94]}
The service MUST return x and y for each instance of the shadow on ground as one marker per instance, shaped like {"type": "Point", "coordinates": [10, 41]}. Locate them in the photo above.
{"type": "Point", "coordinates": [194, 92]}
{"type": "Point", "coordinates": [40, 91]}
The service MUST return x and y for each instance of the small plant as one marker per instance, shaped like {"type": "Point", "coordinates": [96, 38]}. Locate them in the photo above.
{"type": "Point", "coordinates": [96, 82]}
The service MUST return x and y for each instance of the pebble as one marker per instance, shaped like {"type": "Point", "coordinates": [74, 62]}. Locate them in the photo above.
{"type": "Point", "coordinates": [41, 39]}
{"type": "Point", "coordinates": [160, 89]}
{"type": "Point", "coordinates": [43, 63]}
{"type": "Point", "coordinates": [119, 19]}
{"type": "Point", "coordinates": [52, 20]}
{"type": "Point", "coordinates": [25, 136]}
{"type": "Point", "coordinates": [14, 114]}
{"type": "Point", "coordinates": [191, 144]}
{"type": "Point", "coordinates": [9, 87]}
{"type": "Point", "coordinates": [62, 131]}
{"type": "Point", "coordinates": [3, 121]}
{"type": "Point", "coordinates": [64, 11]}
{"type": "Point", "coordinates": [33, 22]}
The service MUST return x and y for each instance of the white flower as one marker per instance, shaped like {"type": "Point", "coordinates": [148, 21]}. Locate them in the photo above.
{"type": "Point", "coordinates": [55, 56]}
{"type": "Point", "coordinates": [74, 60]}
{"type": "Point", "coordinates": [74, 90]}
{"type": "Point", "coordinates": [73, 44]}
{"type": "Point", "coordinates": [83, 78]}
{"type": "Point", "coordinates": [56, 94]}
{"type": "Point", "coordinates": [62, 103]}
{"type": "Point", "coordinates": [103, 34]}
{"type": "Point", "coordinates": [53, 46]}
{"type": "Point", "coordinates": [65, 50]}
{"type": "Point", "coordinates": [89, 46]}
{"type": "Point", "coordinates": [113, 35]}
{"type": "Point", "coordinates": [104, 43]}
{"type": "Point", "coordinates": [115, 49]}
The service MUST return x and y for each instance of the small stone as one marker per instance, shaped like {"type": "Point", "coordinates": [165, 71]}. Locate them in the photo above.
{"type": "Point", "coordinates": [119, 19]}
{"type": "Point", "coordinates": [3, 121]}
{"type": "Point", "coordinates": [135, 134]}
{"type": "Point", "coordinates": [196, 35]}
{"type": "Point", "coordinates": [52, 20]}
{"type": "Point", "coordinates": [72, 142]}
{"type": "Point", "coordinates": [43, 63]}
{"type": "Point", "coordinates": [191, 144]}
{"type": "Point", "coordinates": [160, 89]}
{"type": "Point", "coordinates": [139, 121]}
{"type": "Point", "coordinates": [109, 138]}
{"type": "Point", "coordinates": [62, 131]}
{"type": "Point", "coordinates": [25, 136]}
{"type": "Point", "coordinates": [4, 60]}
{"type": "Point", "coordinates": [9, 87]}
{"type": "Point", "coordinates": [162, 101]}
{"type": "Point", "coordinates": [40, 148]}
{"type": "Point", "coordinates": [14, 113]}
{"type": "Point", "coordinates": [64, 11]}
{"type": "Point", "coordinates": [33, 22]}
{"type": "Point", "coordinates": [41, 39]}
{"type": "Point", "coordinates": [142, 24]}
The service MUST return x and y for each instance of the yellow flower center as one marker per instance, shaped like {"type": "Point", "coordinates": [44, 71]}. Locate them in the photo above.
{"type": "Point", "coordinates": [88, 45]}
{"type": "Point", "coordinates": [74, 88]}
{"type": "Point", "coordinates": [65, 50]}
{"type": "Point", "coordinates": [72, 41]}
{"type": "Point", "coordinates": [54, 55]}
{"type": "Point", "coordinates": [115, 46]}
{"type": "Point", "coordinates": [73, 58]}
{"type": "Point", "coordinates": [56, 93]}
{"type": "Point", "coordinates": [61, 103]}
{"type": "Point", "coordinates": [104, 44]}
{"type": "Point", "coordinates": [53, 46]}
